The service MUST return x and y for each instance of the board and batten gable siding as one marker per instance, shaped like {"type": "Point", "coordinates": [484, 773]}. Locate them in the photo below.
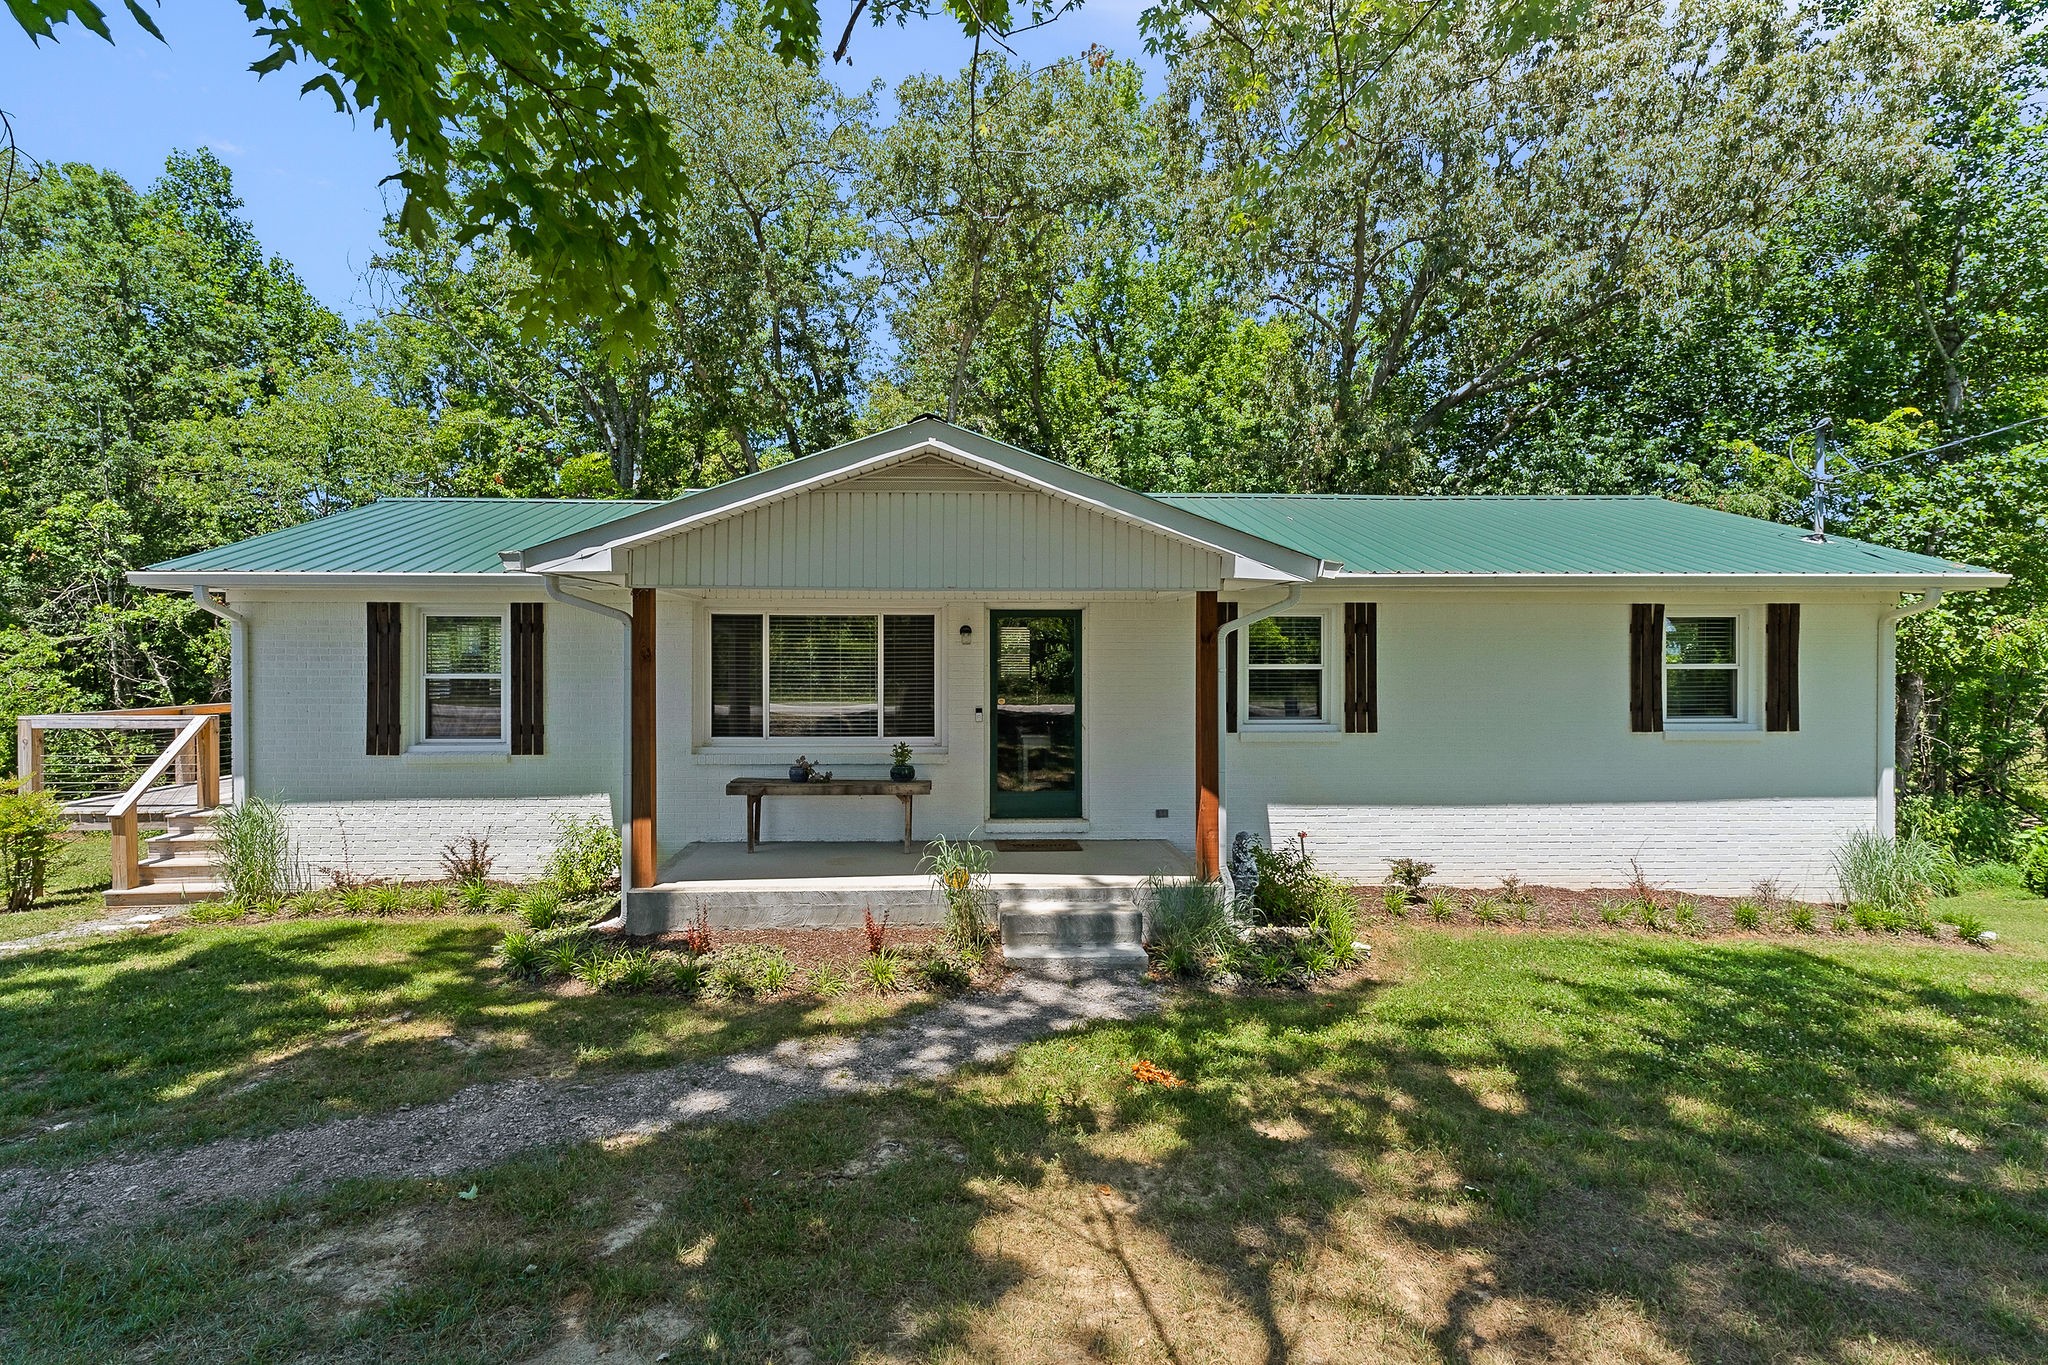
{"type": "Point", "coordinates": [997, 538]}
{"type": "Point", "coordinates": [1137, 688]}
{"type": "Point", "coordinates": [1504, 748]}
{"type": "Point", "coordinates": [390, 816]}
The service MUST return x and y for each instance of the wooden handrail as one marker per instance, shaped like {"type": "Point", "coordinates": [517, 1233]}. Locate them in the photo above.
{"type": "Point", "coordinates": [126, 847]}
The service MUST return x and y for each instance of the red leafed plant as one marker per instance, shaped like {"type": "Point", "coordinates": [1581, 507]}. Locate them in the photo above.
{"type": "Point", "coordinates": [1151, 1073]}
{"type": "Point", "coordinates": [877, 930]}
{"type": "Point", "coordinates": [697, 938]}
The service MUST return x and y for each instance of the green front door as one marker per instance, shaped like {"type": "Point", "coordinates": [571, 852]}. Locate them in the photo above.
{"type": "Point", "coordinates": [1035, 672]}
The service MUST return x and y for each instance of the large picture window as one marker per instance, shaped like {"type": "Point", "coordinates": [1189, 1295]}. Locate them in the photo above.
{"type": "Point", "coordinates": [1284, 670]}
{"type": "Point", "coordinates": [465, 678]}
{"type": "Point", "coordinates": [824, 676]}
{"type": "Point", "coordinates": [1702, 668]}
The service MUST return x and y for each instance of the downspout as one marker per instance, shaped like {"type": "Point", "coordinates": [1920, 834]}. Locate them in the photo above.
{"type": "Point", "coordinates": [551, 583]}
{"type": "Point", "coordinates": [1223, 634]}
{"type": "Point", "coordinates": [238, 687]}
{"type": "Point", "coordinates": [1888, 706]}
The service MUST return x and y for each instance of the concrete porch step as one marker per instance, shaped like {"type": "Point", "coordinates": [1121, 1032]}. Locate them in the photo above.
{"type": "Point", "coordinates": [1072, 927]}
{"type": "Point", "coordinates": [1074, 964]}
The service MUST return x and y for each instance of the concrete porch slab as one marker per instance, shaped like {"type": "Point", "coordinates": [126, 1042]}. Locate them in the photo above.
{"type": "Point", "coordinates": [832, 885]}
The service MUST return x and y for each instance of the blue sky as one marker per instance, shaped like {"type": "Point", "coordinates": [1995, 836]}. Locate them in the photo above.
{"type": "Point", "coordinates": [309, 175]}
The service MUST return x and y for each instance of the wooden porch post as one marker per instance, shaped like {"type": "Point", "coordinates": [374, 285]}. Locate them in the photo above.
{"type": "Point", "coordinates": [640, 801]}
{"type": "Point", "coordinates": [1208, 863]}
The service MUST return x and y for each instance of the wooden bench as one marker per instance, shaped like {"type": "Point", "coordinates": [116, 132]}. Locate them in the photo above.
{"type": "Point", "coordinates": [754, 788]}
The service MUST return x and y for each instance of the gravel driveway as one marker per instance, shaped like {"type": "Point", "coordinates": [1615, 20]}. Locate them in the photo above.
{"type": "Point", "coordinates": [488, 1123]}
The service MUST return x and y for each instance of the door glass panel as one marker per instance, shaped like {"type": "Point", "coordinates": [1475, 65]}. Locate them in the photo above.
{"type": "Point", "coordinates": [1037, 706]}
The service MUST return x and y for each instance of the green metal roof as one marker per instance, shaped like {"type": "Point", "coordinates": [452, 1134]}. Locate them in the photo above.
{"type": "Point", "coordinates": [1545, 535]}
{"type": "Point", "coordinates": [408, 535]}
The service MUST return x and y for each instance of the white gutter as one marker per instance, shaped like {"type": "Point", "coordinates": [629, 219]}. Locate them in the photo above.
{"type": "Point", "coordinates": [238, 687]}
{"type": "Point", "coordinates": [1228, 629]}
{"type": "Point", "coordinates": [551, 583]}
{"type": "Point", "coordinates": [1888, 706]}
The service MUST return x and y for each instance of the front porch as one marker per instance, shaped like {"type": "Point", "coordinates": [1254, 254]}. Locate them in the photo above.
{"type": "Point", "coordinates": [833, 884]}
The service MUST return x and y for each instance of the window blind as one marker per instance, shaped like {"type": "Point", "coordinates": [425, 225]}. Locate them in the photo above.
{"type": "Point", "coordinates": [1284, 673]}
{"type": "Point", "coordinates": [866, 677]}
{"type": "Point", "coordinates": [1700, 668]}
{"type": "Point", "coordinates": [465, 677]}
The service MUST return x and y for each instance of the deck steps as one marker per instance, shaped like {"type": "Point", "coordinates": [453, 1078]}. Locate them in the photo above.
{"type": "Point", "coordinates": [176, 867]}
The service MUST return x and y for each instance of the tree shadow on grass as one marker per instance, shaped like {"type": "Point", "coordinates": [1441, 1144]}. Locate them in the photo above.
{"type": "Point", "coordinates": [203, 1033]}
{"type": "Point", "coordinates": [1732, 1153]}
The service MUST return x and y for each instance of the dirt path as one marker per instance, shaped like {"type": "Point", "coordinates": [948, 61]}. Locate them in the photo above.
{"type": "Point", "coordinates": [489, 1123]}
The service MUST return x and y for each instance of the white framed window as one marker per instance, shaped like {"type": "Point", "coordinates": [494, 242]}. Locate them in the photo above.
{"type": "Point", "coordinates": [464, 691]}
{"type": "Point", "coordinates": [1286, 670]}
{"type": "Point", "coordinates": [824, 675]}
{"type": "Point", "coordinates": [1705, 668]}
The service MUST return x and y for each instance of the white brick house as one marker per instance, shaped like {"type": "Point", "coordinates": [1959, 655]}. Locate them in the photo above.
{"type": "Point", "coordinates": [1550, 687]}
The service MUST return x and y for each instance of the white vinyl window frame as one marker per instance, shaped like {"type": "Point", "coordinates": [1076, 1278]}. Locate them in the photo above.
{"type": "Point", "coordinates": [859, 744]}
{"type": "Point", "coordinates": [421, 617]}
{"type": "Point", "coordinates": [1747, 651]}
{"type": "Point", "coordinates": [1331, 674]}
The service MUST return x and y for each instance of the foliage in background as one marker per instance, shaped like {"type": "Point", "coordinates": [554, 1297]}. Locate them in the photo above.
{"type": "Point", "coordinates": [255, 854]}
{"type": "Point", "coordinates": [31, 829]}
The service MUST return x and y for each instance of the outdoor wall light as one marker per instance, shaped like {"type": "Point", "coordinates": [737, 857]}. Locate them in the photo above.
{"type": "Point", "coordinates": [966, 631]}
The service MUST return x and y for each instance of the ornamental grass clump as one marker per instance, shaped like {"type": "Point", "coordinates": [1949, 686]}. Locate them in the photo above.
{"type": "Point", "coordinates": [255, 854]}
{"type": "Point", "coordinates": [960, 870]}
{"type": "Point", "coordinates": [1894, 877]}
{"type": "Point", "coordinates": [1191, 925]}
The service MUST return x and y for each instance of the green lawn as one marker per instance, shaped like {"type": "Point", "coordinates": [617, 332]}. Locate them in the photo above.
{"type": "Point", "coordinates": [1504, 1146]}
{"type": "Point", "coordinates": [251, 1027]}
{"type": "Point", "coordinates": [72, 894]}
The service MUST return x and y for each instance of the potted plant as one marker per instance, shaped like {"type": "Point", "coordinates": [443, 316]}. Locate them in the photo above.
{"type": "Point", "coordinates": [901, 771]}
{"type": "Point", "coordinates": [803, 770]}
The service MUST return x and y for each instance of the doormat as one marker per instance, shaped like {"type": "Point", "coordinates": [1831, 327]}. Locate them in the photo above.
{"type": "Point", "coordinates": [1038, 846]}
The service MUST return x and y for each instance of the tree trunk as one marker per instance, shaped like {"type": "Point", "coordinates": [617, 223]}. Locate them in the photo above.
{"type": "Point", "coordinates": [1912, 712]}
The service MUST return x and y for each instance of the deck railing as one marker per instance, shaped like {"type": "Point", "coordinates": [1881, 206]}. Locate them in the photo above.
{"type": "Point", "coordinates": [110, 777]}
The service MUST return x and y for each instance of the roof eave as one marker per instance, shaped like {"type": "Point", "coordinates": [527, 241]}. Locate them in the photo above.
{"type": "Point", "coordinates": [1973, 581]}
{"type": "Point", "coordinates": [183, 580]}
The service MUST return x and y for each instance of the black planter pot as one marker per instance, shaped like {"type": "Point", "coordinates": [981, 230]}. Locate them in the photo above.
{"type": "Point", "coordinates": [797, 774]}
{"type": "Point", "coordinates": [902, 772]}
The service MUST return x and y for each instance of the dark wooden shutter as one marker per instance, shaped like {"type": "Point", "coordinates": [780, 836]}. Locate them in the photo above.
{"type": "Point", "coordinates": [385, 679]}
{"type": "Point", "coordinates": [1362, 668]}
{"type": "Point", "coordinates": [529, 726]}
{"type": "Point", "coordinates": [1646, 667]}
{"type": "Point", "coordinates": [1781, 666]}
{"type": "Point", "coordinates": [1226, 612]}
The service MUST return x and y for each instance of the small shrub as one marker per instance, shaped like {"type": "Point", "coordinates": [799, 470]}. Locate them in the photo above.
{"type": "Point", "coordinates": [1273, 969]}
{"type": "Point", "coordinates": [1972, 828]}
{"type": "Point", "coordinates": [388, 900]}
{"type": "Point", "coordinates": [2032, 858]}
{"type": "Point", "coordinates": [1897, 876]}
{"type": "Point", "coordinates": [1800, 917]}
{"type": "Point", "coordinates": [541, 907]}
{"type": "Point", "coordinates": [1518, 911]}
{"type": "Point", "coordinates": [883, 972]}
{"type": "Point", "coordinates": [632, 971]}
{"type": "Point", "coordinates": [774, 970]}
{"type": "Point", "coordinates": [685, 973]}
{"type": "Point", "coordinates": [1648, 914]}
{"type": "Point", "coordinates": [505, 899]}
{"type": "Point", "coordinates": [1409, 874]}
{"type": "Point", "coordinates": [877, 930]}
{"type": "Point", "coordinates": [941, 971]}
{"type": "Point", "coordinates": [1486, 910]}
{"type": "Point", "coordinates": [1442, 906]}
{"type": "Point", "coordinates": [1613, 913]}
{"type": "Point", "coordinates": [1394, 900]}
{"type": "Point", "coordinates": [255, 854]}
{"type": "Point", "coordinates": [1336, 925]}
{"type": "Point", "coordinates": [305, 903]}
{"type": "Point", "coordinates": [434, 900]}
{"type": "Point", "coordinates": [520, 955]}
{"type": "Point", "coordinates": [584, 861]}
{"type": "Point", "coordinates": [1685, 915]}
{"type": "Point", "coordinates": [697, 936]}
{"type": "Point", "coordinates": [1968, 926]}
{"type": "Point", "coordinates": [1512, 891]}
{"type": "Point", "coordinates": [1768, 895]}
{"type": "Point", "coordinates": [563, 958]}
{"type": "Point", "coordinates": [1747, 914]}
{"type": "Point", "coordinates": [830, 981]}
{"type": "Point", "coordinates": [468, 859]}
{"type": "Point", "coordinates": [743, 970]}
{"type": "Point", "coordinates": [32, 827]}
{"type": "Point", "coordinates": [1644, 895]}
{"type": "Point", "coordinates": [1842, 924]}
{"type": "Point", "coordinates": [474, 895]}
{"type": "Point", "coordinates": [1286, 888]}
{"type": "Point", "coordinates": [1190, 925]}
{"type": "Point", "coordinates": [594, 968]}
{"type": "Point", "coordinates": [1315, 957]}
{"type": "Point", "coordinates": [355, 900]}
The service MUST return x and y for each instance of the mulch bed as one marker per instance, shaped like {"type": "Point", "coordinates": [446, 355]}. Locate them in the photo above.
{"type": "Point", "coordinates": [810, 947]}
